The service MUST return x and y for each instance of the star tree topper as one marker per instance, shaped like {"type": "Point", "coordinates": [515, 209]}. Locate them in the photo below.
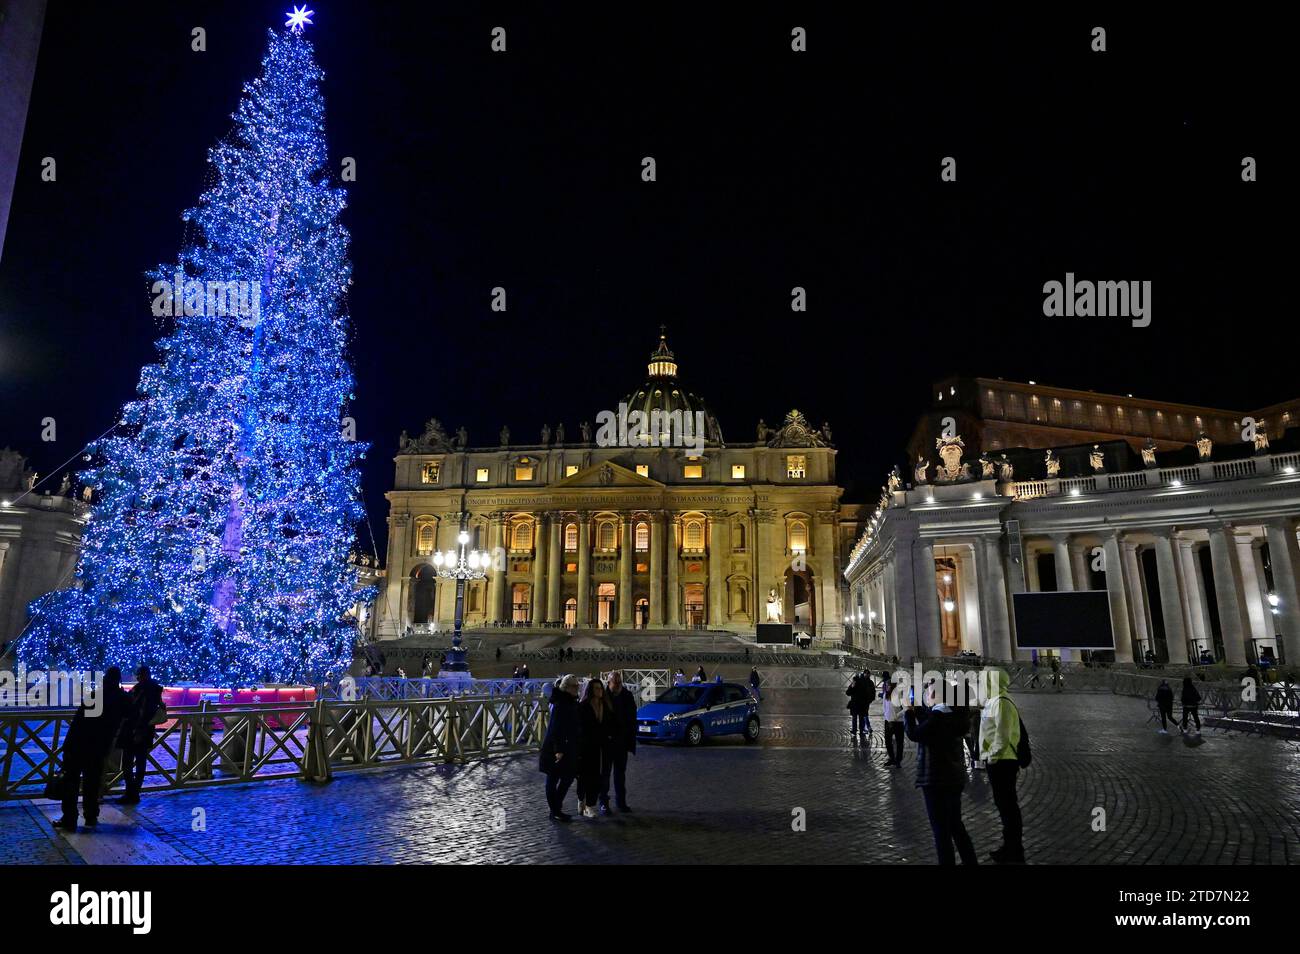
{"type": "Point", "coordinates": [299, 18]}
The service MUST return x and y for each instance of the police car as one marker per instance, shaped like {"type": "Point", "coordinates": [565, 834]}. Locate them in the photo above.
{"type": "Point", "coordinates": [696, 711]}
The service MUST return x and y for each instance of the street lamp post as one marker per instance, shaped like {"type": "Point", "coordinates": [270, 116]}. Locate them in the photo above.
{"type": "Point", "coordinates": [460, 566]}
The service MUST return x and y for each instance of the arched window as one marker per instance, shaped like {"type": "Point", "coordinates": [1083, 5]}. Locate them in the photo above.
{"type": "Point", "coordinates": [570, 612]}
{"type": "Point", "coordinates": [693, 534]}
{"type": "Point", "coordinates": [606, 535]}
{"type": "Point", "coordinates": [424, 539]}
{"type": "Point", "coordinates": [643, 536]}
{"type": "Point", "coordinates": [798, 536]}
{"type": "Point", "coordinates": [522, 537]}
{"type": "Point", "coordinates": [570, 536]}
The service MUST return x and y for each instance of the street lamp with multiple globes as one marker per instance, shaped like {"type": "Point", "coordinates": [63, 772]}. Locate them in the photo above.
{"type": "Point", "coordinates": [460, 567]}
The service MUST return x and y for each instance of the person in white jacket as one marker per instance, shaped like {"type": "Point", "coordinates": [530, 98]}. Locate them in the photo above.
{"type": "Point", "coordinates": [999, 744]}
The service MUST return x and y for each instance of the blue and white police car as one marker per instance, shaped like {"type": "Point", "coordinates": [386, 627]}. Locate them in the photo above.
{"type": "Point", "coordinates": [693, 712]}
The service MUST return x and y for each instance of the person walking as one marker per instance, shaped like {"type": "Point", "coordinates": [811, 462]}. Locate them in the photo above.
{"type": "Point", "coordinates": [941, 774]}
{"type": "Point", "coordinates": [91, 735]}
{"type": "Point", "coordinates": [1000, 732]}
{"type": "Point", "coordinates": [892, 703]}
{"type": "Point", "coordinates": [559, 756]}
{"type": "Point", "coordinates": [136, 736]}
{"type": "Point", "coordinates": [596, 736]}
{"type": "Point", "coordinates": [1191, 704]}
{"type": "Point", "coordinates": [755, 684]}
{"type": "Point", "coordinates": [623, 704]}
{"type": "Point", "coordinates": [1165, 706]}
{"type": "Point", "coordinates": [1057, 681]}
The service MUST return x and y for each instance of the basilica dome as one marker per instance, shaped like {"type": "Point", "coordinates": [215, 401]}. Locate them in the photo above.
{"type": "Point", "coordinates": [662, 392]}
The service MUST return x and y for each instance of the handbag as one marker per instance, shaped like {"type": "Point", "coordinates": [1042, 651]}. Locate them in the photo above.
{"type": "Point", "coordinates": [55, 786]}
{"type": "Point", "coordinates": [159, 715]}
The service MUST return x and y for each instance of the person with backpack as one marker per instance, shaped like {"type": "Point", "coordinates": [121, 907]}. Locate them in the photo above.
{"type": "Point", "coordinates": [1191, 704]}
{"type": "Point", "coordinates": [145, 711]}
{"type": "Point", "coordinates": [1165, 706]}
{"type": "Point", "coordinates": [1004, 748]}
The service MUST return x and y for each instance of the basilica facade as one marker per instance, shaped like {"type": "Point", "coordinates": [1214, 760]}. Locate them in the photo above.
{"type": "Point", "coordinates": [648, 520]}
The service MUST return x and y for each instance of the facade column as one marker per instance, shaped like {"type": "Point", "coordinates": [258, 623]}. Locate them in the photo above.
{"type": "Point", "coordinates": [996, 618]}
{"type": "Point", "coordinates": [1118, 592]}
{"type": "Point", "coordinates": [927, 600]}
{"type": "Point", "coordinates": [657, 569]}
{"type": "Point", "coordinates": [1032, 583]}
{"type": "Point", "coordinates": [1079, 567]}
{"type": "Point", "coordinates": [673, 538]}
{"type": "Point", "coordinates": [584, 570]}
{"type": "Point", "coordinates": [1253, 602]}
{"type": "Point", "coordinates": [1137, 605]}
{"type": "Point", "coordinates": [719, 553]}
{"type": "Point", "coordinates": [554, 574]}
{"type": "Point", "coordinates": [497, 575]}
{"type": "Point", "coordinates": [1284, 554]}
{"type": "Point", "coordinates": [1171, 599]}
{"type": "Point", "coordinates": [1232, 618]}
{"type": "Point", "coordinates": [1261, 613]}
{"type": "Point", "coordinates": [537, 612]}
{"type": "Point", "coordinates": [1064, 571]}
{"type": "Point", "coordinates": [1197, 628]}
{"type": "Point", "coordinates": [626, 549]}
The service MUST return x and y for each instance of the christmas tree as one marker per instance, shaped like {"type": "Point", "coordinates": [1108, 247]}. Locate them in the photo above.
{"type": "Point", "coordinates": [227, 498]}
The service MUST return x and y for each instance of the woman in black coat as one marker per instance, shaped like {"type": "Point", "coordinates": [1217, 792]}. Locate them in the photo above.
{"type": "Point", "coordinates": [941, 774]}
{"type": "Point", "coordinates": [1191, 704]}
{"type": "Point", "coordinates": [559, 758]}
{"type": "Point", "coordinates": [598, 733]}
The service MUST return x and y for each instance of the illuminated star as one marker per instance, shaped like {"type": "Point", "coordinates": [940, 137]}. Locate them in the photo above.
{"type": "Point", "coordinates": [298, 18]}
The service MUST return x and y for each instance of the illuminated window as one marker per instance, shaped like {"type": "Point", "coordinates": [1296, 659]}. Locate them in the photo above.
{"type": "Point", "coordinates": [606, 535]}
{"type": "Point", "coordinates": [523, 471]}
{"type": "Point", "coordinates": [570, 470]}
{"type": "Point", "coordinates": [796, 466]}
{"type": "Point", "coordinates": [522, 537]}
{"type": "Point", "coordinates": [481, 475]}
{"type": "Point", "coordinates": [571, 536]}
{"type": "Point", "coordinates": [738, 536]}
{"type": "Point", "coordinates": [737, 471]}
{"type": "Point", "coordinates": [693, 535]}
{"type": "Point", "coordinates": [424, 538]}
{"type": "Point", "coordinates": [643, 536]}
{"type": "Point", "coordinates": [693, 471]}
{"type": "Point", "coordinates": [430, 472]}
{"type": "Point", "coordinates": [643, 470]}
{"type": "Point", "coordinates": [798, 537]}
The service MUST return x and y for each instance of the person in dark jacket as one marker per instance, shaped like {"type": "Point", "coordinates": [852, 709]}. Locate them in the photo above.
{"type": "Point", "coordinates": [1191, 704]}
{"type": "Point", "coordinates": [1165, 705]}
{"type": "Point", "coordinates": [624, 706]}
{"type": "Point", "coordinates": [597, 735]}
{"type": "Point", "coordinates": [90, 737]}
{"type": "Point", "coordinates": [755, 683]}
{"type": "Point", "coordinates": [559, 758]}
{"type": "Point", "coordinates": [861, 692]}
{"type": "Point", "coordinates": [136, 737]}
{"type": "Point", "coordinates": [941, 774]}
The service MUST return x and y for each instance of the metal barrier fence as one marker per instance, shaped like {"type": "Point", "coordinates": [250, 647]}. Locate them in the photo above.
{"type": "Point", "coordinates": [398, 687]}
{"type": "Point", "coordinates": [213, 745]}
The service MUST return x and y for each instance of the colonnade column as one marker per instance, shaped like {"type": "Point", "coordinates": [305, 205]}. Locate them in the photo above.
{"type": "Point", "coordinates": [1064, 571]}
{"type": "Point", "coordinates": [1137, 605]}
{"type": "Point", "coordinates": [1199, 630]}
{"type": "Point", "coordinates": [537, 612]}
{"type": "Point", "coordinates": [1253, 599]}
{"type": "Point", "coordinates": [584, 570]}
{"type": "Point", "coordinates": [1171, 601]}
{"type": "Point", "coordinates": [1079, 566]}
{"type": "Point", "coordinates": [497, 574]}
{"type": "Point", "coordinates": [1119, 616]}
{"type": "Point", "coordinates": [1232, 619]}
{"type": "Point", "coordinates": [927, 600]}
{"type": "Point", "coordinates": [996, 623]}
{"type": "Point", "coordinates": [657, 569]}
{"type": "Point", "coordinates": [626, 547]}
{"type": "Point", "coordinates": [1284, 553]}
{"type": "Point", "coordinates": [674, 615]}
{"type": "Point", "coordinates": [554, 557]}
{"type": "Point", "coordinates": [719, 551]}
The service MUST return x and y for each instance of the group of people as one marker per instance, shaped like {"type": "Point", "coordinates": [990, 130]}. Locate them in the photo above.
{"type": "Point", "coordinates": [591, 733]}
{"type": "Point", "coordinates": [113, 719]}
{"type": "Point", "coordinates": [1191, 699]}
{"type": "Point", "coordinates": [679, 677]}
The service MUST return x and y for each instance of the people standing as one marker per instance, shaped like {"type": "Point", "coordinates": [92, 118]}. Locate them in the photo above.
{"type": "Point", "coordinates": [1000, 750]}
{"type": "Point", "coordinates": [941, 774]}
{"type": "Point", "coordinates": [1165, 706]}
{"type": "Point", "coordinates": [1191, 704]}
{"type": "Point", "coordinates": [90, 737]}
{"type": "Point", "coordinates": [596, 737]}
{"type": "Point", "coordinates": [755, 684]}
{"type": "Point", "coordinates": [624, 706]}
{"type": "Point", "coordinates": [892, 703]}
{"type": "Point", "coordinates": [700, 675]}
{"type": "Point", "coordinates": [679, 678]}
{"type": "Point", "coordinates": [523, 671]}
{"type": "Point", "coordinates": [559, 756]}
{"type": "Point", "coordinates": [861, 692]}
{"type": "Point", "coordinates": [136, 736]}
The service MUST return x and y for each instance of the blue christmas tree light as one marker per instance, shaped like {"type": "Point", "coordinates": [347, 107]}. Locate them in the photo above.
{"type": "Point", "coordinates": [228, 497]}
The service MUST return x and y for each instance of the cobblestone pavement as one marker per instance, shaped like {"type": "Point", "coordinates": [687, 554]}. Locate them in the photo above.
{"type": "Point", "coordinates": [1226, 800]}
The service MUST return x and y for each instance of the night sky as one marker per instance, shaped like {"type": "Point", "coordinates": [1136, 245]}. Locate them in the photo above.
{"type": "Point", "coordinates": [776, 169]}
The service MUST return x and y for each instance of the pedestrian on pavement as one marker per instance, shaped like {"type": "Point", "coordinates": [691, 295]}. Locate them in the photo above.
{"type": "Point", "coordinates": [1000, 737]}
{"type": "Point", "coordinates": [597, 734]}
{"type": "Point", "coordinates": [892, 701]}
{"type": "Point", "coordinates": [1033, 679]}
{"type": "Point", "coordinates": [1165, 706]}
{"type": "Point", "coordinates": [941, 774]}
{"type": "Point", "coordinates": [136, 736]}
{"type": "Point", "coordinates": [755, 684]}
{"type": "Point", "coordinates": [559, 757]}
{"type": "Point", "coordinates": [624, 705]}
{"type": "Point", "coordinates": [861, 692]}
{"type": "Point", "coordinates": [90, 737]}
{"type": "Point", "coordinates": [515, 673]}
{"type": "Point", "coordinates": [701, 675]}
{"type": "Point", "coordinates": [523, 672]}
{"type": "Point", "coordinates": [1191, 704]}
{"type": "Point", "coordinates": [679, 679]}
{"type": "Point", "coordinates": [1057, 681]}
